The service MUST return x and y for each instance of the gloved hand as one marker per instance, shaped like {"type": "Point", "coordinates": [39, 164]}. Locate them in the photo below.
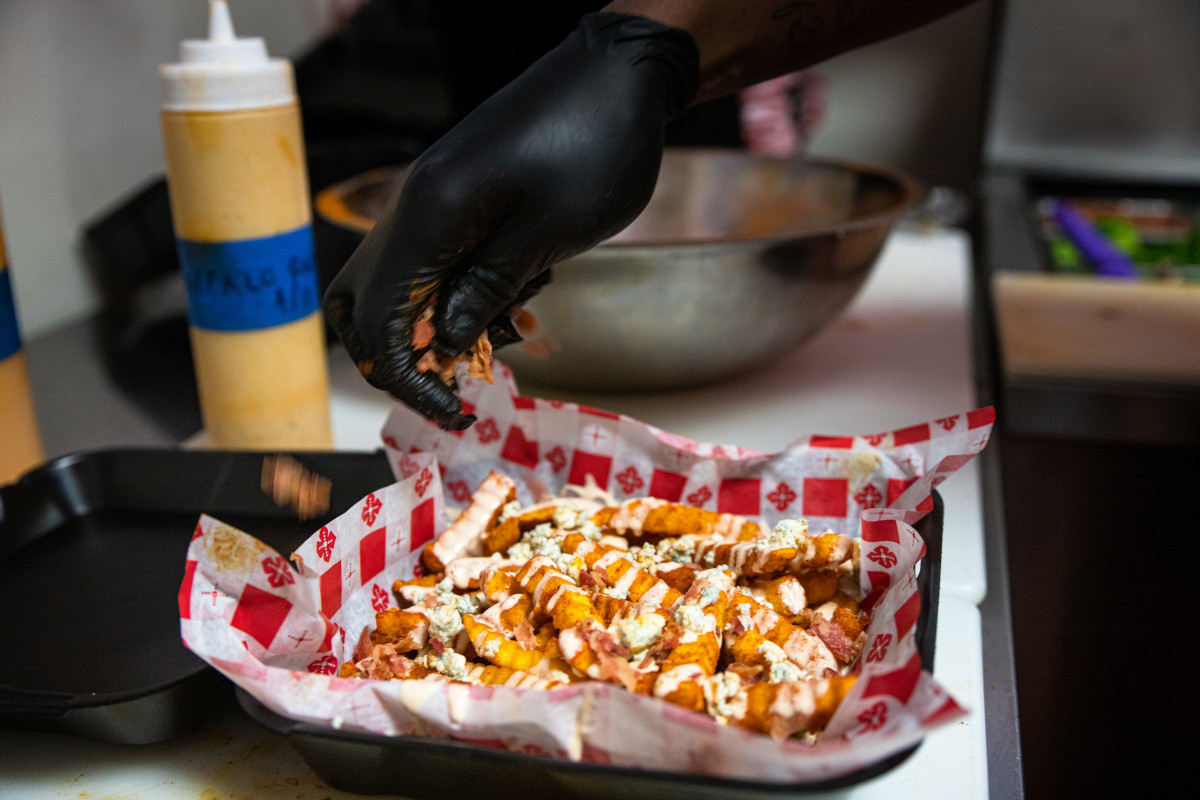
{"type": "Point", "coordinates": [562, 158]}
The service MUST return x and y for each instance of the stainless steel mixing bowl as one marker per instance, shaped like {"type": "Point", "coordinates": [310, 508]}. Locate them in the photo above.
{"type": "Point", "coordinates": [737, 260]}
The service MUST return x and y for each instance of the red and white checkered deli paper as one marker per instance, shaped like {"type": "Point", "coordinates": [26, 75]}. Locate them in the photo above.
{"type": "Point", "coordinates": [281, 634]}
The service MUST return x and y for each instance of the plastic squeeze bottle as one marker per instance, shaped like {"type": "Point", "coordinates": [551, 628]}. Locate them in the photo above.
{"type": "Point", "coordinates": [20, 443]}
{"type": "Point", "coordinates": [239, 193]}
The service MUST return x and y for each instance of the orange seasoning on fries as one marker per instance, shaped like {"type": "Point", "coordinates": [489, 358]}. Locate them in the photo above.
{"type": "Point", "coordinates": [704, 610]}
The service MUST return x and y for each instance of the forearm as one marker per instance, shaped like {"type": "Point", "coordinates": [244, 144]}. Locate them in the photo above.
{"type": "Point", "coordinates": [742, 43]}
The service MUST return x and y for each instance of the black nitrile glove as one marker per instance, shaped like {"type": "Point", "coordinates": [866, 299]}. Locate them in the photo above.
{"type": "Point", "coordinates": [562, 158]}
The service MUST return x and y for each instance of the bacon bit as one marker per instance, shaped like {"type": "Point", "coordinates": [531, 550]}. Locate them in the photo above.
{"type": "Point", "coordinates": [618, 670]}
{"type": "Point", "coordinates": [834, 638]}
{"type": "Point", "coordinates": [525, 323]}
{"type": "Point", "coordinates": [749, 673]}
{"type": "Point", "coordinates": [600, 574]}
{"type": "Point", "coordinates": [290, 485]}
{"type": "Point", "coordinates": [525, 635]}
{"type": "Point", "coordinates": [805, 618]}
{"type": "Point", "coordinates": [400, 665]}
{"type": "Point", "coordinates": [527, 326]}
{"type": "Point", "coordinates": [657, 653]}
{"type": "Point", "coordinates": [601, 641]}
{"type": "Point", "coordinates": [381, 664]}
{"type": "Point", "coordinates": [478, 358]}
{"type": "Point", "coordinates": [362, 648]}
{"type": "Point", "coordinates": [480, 365]}
{"type": "Point", "coordinates": [586, 580]}
{"type": "Point", "coordinates": [540, 348]}
{"type": "Point", "coordinates": [423, 329]}
{"type": "Point", "coordinates": [437, 646]}
{"type": "Point", "coordinates": [429, 361]}
{"type": "Point", "coordinates": [737, 624]}
{"type": "Point", "coordinates": [611, 657]}
{"type": "Point", "coordinates": [429, 600]}
{"type": "Point", "coordinates": [408, 643]}
{"type": "Point", "coordinates": [404, 668]}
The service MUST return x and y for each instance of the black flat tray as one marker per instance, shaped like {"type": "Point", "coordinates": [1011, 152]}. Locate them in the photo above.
{"type": "Point", "coordinates": [424, 768]}
{"type": "Point", "coordinates": [101, 539]}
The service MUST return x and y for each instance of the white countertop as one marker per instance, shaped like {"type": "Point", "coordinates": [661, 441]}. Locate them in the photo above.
{"type": "Point", "coordinates": [901, 354]}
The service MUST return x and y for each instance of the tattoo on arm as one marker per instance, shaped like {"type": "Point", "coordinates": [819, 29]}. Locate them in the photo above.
{"type": "Point", "coordinates": [806, 23]}
{"type": "Point", "coordinates": [809, 24]}
{"type": "Point", "coordinates": [856, 16]}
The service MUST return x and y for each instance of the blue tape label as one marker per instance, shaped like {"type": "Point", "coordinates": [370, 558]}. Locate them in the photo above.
{"type": "Point", "coordinates": [250, 284]}
{"type": "Point", "coordinates": [10, 334]}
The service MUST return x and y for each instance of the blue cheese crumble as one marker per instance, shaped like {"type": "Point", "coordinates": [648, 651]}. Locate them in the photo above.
{"type": "Point", "coordinates": [788, 533]}
{"type": "Point", "coordinates": [691, 618]}
{"type": "Point", "coordinates": [639, 632]}
{"type": "Point", "coordinates": [569, 564]}
{"type": "Point", "coordinates": [725, 697]}
{"type": "Point", "coordinates": [681, 550]}
{"type": "Point", "coordinates": [780, 668]}
{"type": "Point", "coordinates": [541, 541]}
{"type": "Point", "coordinates": [445, 623]}
{"type": "Point", "coordinates": [521, 551]}
{"type": "Point", "coordinates": [462, 603]}
{"type": "Point", "coordinates": [589, 531]}
{"type": "Point", "coordinates": [490, 647]}
{"type": "Point", "coordinates": [451, 664]}
{"type": "Point", "coordinates": [646, 556]}
{"type": "Point", "coordinates": [568, 517]}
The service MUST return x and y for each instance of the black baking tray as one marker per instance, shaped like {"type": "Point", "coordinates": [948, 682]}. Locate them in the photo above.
{"type": "Point", "coordinates": [101, 539]}
{"type": "Point", "coordinates": [425, 768]}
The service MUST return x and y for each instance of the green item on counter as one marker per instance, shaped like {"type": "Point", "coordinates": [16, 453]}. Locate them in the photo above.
{"type": "Point", "coordinates": [1174, 253]}
{"type": "Point", "coordinates": [1123, 234]}
{"type": "Point", "coordinates": [1171, 253]}
{"type": "Point", "coordinates": [1065, 257]}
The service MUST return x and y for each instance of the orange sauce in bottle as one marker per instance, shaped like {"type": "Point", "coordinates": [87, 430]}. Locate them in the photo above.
{"type": "Point", "coordinates": [241, 206]}
{"type": "Point", "coordinates": [20, 442]}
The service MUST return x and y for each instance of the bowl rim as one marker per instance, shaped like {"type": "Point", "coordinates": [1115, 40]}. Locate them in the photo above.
{"type": "Point", "coordinates": [330, 202]}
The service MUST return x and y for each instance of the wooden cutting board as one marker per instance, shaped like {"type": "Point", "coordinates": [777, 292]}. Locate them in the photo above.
{"type": "Point", "coordinates": [1068, 326]}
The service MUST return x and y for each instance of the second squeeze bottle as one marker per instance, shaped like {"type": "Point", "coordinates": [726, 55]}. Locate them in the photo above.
{"type": "Point", "coordinates": [240, 201]}
{"type": "Point", "coordinates": [20, 443]}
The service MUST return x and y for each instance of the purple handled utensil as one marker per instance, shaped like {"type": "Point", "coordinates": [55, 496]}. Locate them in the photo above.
{"type": "Point", "coordinates": [1105, 258]}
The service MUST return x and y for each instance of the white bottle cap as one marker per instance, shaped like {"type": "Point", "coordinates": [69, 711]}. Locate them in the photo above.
{"type": "Point", "coordinates": [224, 72]}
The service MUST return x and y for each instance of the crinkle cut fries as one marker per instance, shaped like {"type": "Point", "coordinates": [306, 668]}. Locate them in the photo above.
{"type": "Point", "coordinates": [701, 609]}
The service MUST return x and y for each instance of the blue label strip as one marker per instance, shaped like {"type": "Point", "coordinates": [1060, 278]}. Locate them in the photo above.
{"type": "Point", "coordinates": [10, 334]}
{"type": "Point", "coordinates": [250, 284]}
